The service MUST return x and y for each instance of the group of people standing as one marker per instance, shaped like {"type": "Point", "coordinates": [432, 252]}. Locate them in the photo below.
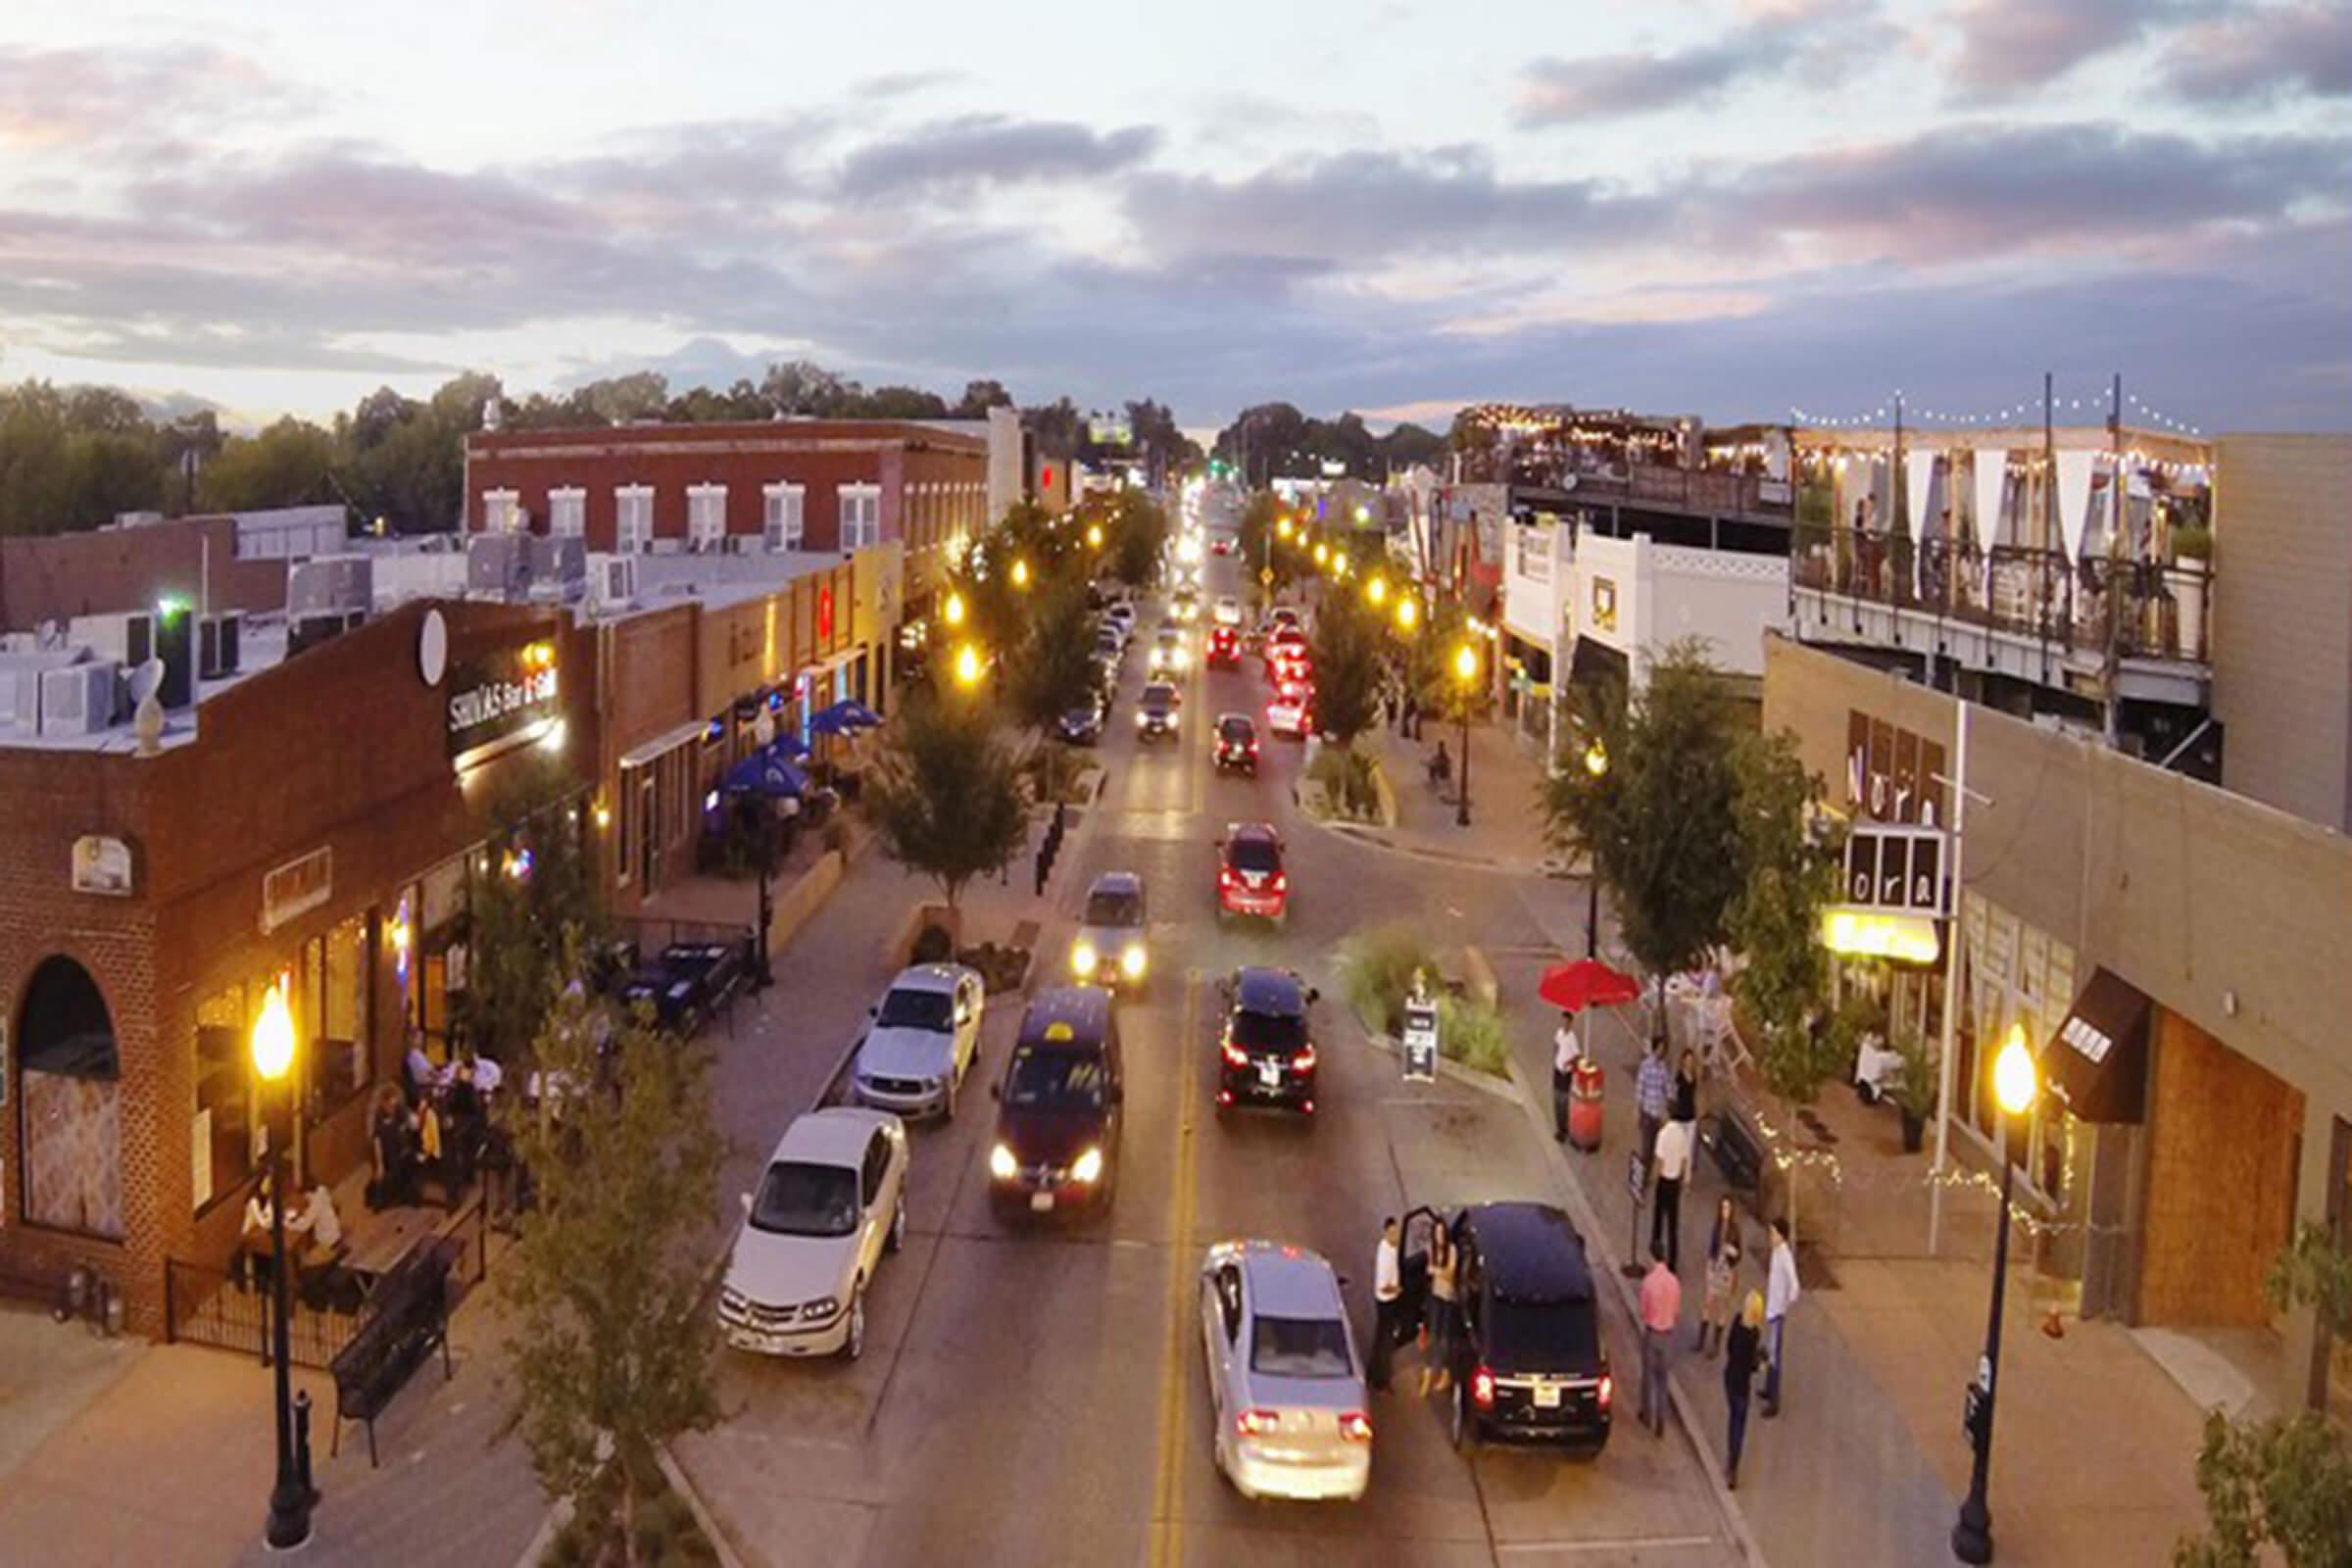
{"type": "Point", "coordinates": [436, 1129]}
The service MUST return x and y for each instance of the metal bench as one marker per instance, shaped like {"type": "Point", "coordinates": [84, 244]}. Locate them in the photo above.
{"type": "Point", "coordinates": [409, 1317]}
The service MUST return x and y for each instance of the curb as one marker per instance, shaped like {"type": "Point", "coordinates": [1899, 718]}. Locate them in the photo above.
{"type": "Point", "coordinates": [1454, 1072]}
{"type": "Point", "coordinates": [675, 1474]}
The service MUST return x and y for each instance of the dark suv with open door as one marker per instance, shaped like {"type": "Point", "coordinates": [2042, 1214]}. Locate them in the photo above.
{"type": "Point", "coordinates": [1528, 1361]}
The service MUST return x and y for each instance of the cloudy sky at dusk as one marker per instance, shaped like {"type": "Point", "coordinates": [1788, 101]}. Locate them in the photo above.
{"type": "Point", "coordinates": [1729, 207]}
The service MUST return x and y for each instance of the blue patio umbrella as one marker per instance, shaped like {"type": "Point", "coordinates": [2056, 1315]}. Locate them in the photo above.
{"type": "Point", "coordinates": [762, 774]}
{"type": "Point", "coordinates": [784, 748]}
{"type": "Point", "coordinates": [843, 716]}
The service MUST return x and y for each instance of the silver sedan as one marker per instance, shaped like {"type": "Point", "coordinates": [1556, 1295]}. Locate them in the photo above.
{"type": "Point", "coordinates": [1285, 1385]}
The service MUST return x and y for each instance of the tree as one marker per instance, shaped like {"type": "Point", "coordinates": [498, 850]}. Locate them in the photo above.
{"type": "Point", "coordinates": [537, 892]}
{"type": "Point", "coordinates": [943, 794]}
{"type": "Point", "coordinates": [611, 1345]}
{"type": "Point", "coordinates": [289, 463]}
{"type": "Point", "coordinates": [1139, 531]}
{"type": "Point", "coordinates": [1788, 872]}
{"type": "Point", "coordinates": [1408, 445]}
{"type": "Point", "coordinates": [902, 403]}
{"type": "Point", "coordinates": [1661, 825]}
{"type": "Point", "coordinates": [981, 396]}
{"type": "Point", "coordinates": [1050, 669]}
{"type": "Point", "coordinates": [1256, 532]}
{"type": "Point", "coordinates": [1348, 649]}
{"type": "Point", "coordinates": [2285, 1481]}
{"type": "Point", "coordinates": [618, 399]}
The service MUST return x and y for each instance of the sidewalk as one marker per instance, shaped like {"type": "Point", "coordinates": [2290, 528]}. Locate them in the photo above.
{"type": "Point", "coordinates": [1505, 831]}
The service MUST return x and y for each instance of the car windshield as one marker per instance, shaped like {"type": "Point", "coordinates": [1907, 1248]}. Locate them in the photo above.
{"type": "Point", "coordinates": [1255, 855]}
{"type": "Point", "coordinates": [1543, 1336]}
{"type": "Point", "coordinates": [909, 1008]}
{"type": "Point", "coordinates": [798, 1199]}
{"type": "Point", "coordinates": [1268, 1031]}
{"type": "Point", "coordinates": [1054, 1080]}
{"type": "Point", "coordinates": [1298, 1347]}
{"type": "Point", "coordinates": [1113, 906]}
{"type": "Point", "coordinates": [1159, 697]}
{"type": "Point", "coordinates": [1235, 729]}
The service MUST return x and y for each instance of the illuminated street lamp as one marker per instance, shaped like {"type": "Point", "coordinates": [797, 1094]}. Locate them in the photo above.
{"type": "Point", "coordinates": [1322, 553]}
{"type": "Point", "coordinates": [953, 610]}
{"type": "Point", "coordinates": [1376, 591]}
{"type": "Point", "coordinates": [967, 666]}
{"type": "Point", "coordinates": [1021, 572]}
{"type": "Point", "coordinates": [1408, 614]}
{"type": "Point", "coordinates": [1465, 671]}
{"type": "Point", "coordinates": [1282, 529]}
{"type": "Point", "coordinates": [1597, 765]}
{"type": "Point", "coordinates": [2015, 1087]}
{"type": "Point", "coordinates": [290, 1499]}
{"type": "Point", "coordinates": [1094, 536]}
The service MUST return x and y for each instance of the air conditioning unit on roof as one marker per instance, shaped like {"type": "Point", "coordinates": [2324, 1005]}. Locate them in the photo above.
{"type": "Point", "coordinates": [612, 580]}
{"type": "Point", "coordinates": [79, 699]}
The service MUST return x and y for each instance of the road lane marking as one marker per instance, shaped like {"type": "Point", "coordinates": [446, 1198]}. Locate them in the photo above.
{"type": "Point", "coordinates": [1616, 1543]}
{"type": "Point", "coordinates": [1167, 1529]}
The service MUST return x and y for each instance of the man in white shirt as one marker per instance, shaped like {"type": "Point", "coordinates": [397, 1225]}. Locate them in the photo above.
{"type": "Point", "coordinates": [1388, 1289]}
{"type": "Point", "coordinates": [1563, 1073]}
{"type": "Point", "coordinates": [1781, 1292]}
{"type": "Point", "coordinates": [321, 1224]}
{"type": "Point", "coordinates": [1671, 1159]}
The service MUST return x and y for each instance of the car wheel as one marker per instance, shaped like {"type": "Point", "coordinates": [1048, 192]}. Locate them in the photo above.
{"type": "Point", "coordinates": [947, 1110]}
{"type": "Point", "coordinates": [853, 1345]}
{"type": "Point", "coordinates": [898, 1226]}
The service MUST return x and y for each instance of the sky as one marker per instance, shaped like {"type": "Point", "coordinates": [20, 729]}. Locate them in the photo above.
{"type": "Point", "coordinates": [1730, 208]}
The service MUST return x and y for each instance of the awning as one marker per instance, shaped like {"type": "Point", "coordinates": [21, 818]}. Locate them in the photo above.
{"type": "Point", "coordinates": [843, 716]}
{"type": "Point", "coordinates": [2098, 1064]}
{"type": "Point", "coordinates": [661, 745]}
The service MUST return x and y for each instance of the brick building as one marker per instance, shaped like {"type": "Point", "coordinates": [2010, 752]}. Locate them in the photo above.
{"type": "Point", "coordinates": [225, 561]}
{"type": "Point", "coordinates": [307, 822]}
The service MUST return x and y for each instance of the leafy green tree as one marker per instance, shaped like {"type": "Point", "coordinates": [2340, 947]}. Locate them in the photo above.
{"type": "Point", "coordinates": [612, 1340]}
{"type": "Point", "coordinates": [1050, 669]}
{"type": "Point", "coordinates": [943, 794]}
{"type": "Point", "coordinates": [902, 403]}
{"type": "Point", "coordinates": [618, 399]}
{"type": "Point", "coordinates": [1256, 529]}
{"type": "Point", "coordinates": [1138, 531]}
{"type": "Point", "coordinates": [1788, 872]}
{"type": "Point", "coordinates": [291, 463]}
{"type": "Point", "coordinates": [2284, 1483]}
{"type": "Point", "coordinates": [981, 396]}
{"type": "Point", "coordinates": [1662, 823]}
{"type": "Point", "coordinates": [537, 890]}
{"type": "Point", "coordinates": [1348, 648]}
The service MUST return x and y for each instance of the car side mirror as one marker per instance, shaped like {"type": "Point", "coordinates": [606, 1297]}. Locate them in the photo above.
{"type": "Point", "coordinates": [746, 1198]}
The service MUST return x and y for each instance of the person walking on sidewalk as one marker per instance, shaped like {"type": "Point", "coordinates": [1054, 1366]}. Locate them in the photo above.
{"type": "Point", "coordinates": [1661, 1319]}
{"type": "Point", "coordinates": [1686, 1088]}
{"type": "Point", "coordinates": [1781, 1292]}
{"type": "Point", "coordinates": [1650, 1086]}
{"type": "Point", "coordinates": [1388, 1291]}
{"type": "Point", "coordinates": [1738, 1380]}
{"type": "Point", "coordinates": [1563, 1073]}
{"type": "Point", "coordinates": [1671, 1158]}
{"type": "Point", "coordinates": [1723, 1276]}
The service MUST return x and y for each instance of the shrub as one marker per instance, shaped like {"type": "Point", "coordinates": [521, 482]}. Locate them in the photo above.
{"type": "Point", "coordinates": [1472, 1034]}
{"type": "Point", "coordinates": [933, 945]}
{"type": "Point", "coordinates": [1375, 972]}
{"type": "Point", "coordinates": [1346, 778]}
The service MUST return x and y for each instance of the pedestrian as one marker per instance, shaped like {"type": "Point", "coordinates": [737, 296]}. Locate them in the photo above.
{"type": "Point", "coordinates": [1723, 1276]}
{"type": "Point", "coordinates": [1652, 1086]}
{"type": "Point", "coordinates": [1437, 1360]}
{"type": "Point", "coordinates": [1781, 1292]}
{"type": "Point", "coordinates": [1563, 1073]}
{"type": "Point", "coordinates": [1738, 1380]}
{"type": "Point", "coordinates": [1412, 717]}
{"type": "Point", "coordinates": [1388, 1292]}
{"type": "Point", "coordinates": [1671, 1156]}
{"type": "Point", "coordinates": [1686, 1087]}
{"type": "Point", "coordinates": [1661, 1316]}
{"type": "Point", "coordinates": [1044, 865]}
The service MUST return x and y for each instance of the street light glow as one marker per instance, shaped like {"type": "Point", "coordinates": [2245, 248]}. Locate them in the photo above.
{"type": "Point", "coordinates": [1282, 529]}
{"type": "Point", "coordinates": [954, 609]}
{"type": "Point", "coordinates": [274, 1037]}
{"type": "Point", "coordinates": [1408, 614]}
{"type": "Point", "coordinates": [2013, 1077]}
{"type": "Point", "coordinates": [1465, 663]}
{"type": "Point", "coordinates": [967, 666]}
{"type": "Point", "coordinates": [1597, 759]}
{"type": "Point", "coordinates": [1094, 536]}
{"type": "Point", "coordinates": [1377, 590]}
{"type": "Point", "coordinates": [1322, 553]}
{"type": "Point", "coordinates": [1020, 574]}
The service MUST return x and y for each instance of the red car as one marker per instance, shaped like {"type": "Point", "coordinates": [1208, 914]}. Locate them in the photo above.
{"type": "Point", "coordinates": [1249, 875]}
{"type": "Point", "coordinates": [1221, 545]}
{"type": "Point", "coordinates": [1292, 712]}
{"type": "Point", "coordinates": [1225, 646]}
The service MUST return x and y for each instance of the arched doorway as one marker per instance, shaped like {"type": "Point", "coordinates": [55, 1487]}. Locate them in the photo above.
{"type": "Point", "coordinates": [70, 1090]}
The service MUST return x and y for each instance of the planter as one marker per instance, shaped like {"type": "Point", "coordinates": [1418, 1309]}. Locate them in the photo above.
{"type": "Point", "coordinates": [1914, 1132]}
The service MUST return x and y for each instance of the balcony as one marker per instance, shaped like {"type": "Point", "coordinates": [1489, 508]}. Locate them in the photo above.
{"type": "Point", "coordinates": [2031, 614]}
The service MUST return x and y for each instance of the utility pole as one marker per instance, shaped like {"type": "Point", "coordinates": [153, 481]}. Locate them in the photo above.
{"type": "Point", "coordinates": [1946, 1065]}
{"type": "Point", "coordinates": [2111, 668]}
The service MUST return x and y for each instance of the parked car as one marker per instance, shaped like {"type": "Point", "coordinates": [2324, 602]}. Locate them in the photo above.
{"type": "Point", "coordinates": [1529, 1363]}
{"type": "Point", "coordinates": [1113, 946]}
{"type": "Point", "coordinates": [923, 1040]}
{"type": "Point", "coordinates": [1058, 1114]}
{"type": "Point", "coordinates": [1251, 879]}
{"type": "Point", "coordinates": [1286, 1387]}
{"type": "Point", "coordinates": [1156, 713]}
{"type": "Point", "coordinates": [1082, 726]}
{"type": "Point", "coordinates": [1266, 1049]}
{"type": "Point", "coordinates": [830, 1205]}
{"type": "Point", "coordinates": [1237, 744]}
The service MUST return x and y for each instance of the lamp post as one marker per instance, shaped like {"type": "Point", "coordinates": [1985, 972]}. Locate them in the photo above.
{"type": "Point", "coordinates": [1465, 669]}
{"type": "Point", "coordinates": [289, 1523]}
{"type": "Point", "coordinates": [1596, 766]}
{"type": "Point", "coordinates": [967, 666]}
{"type": "Point", "coordinates": [2014, 1088]}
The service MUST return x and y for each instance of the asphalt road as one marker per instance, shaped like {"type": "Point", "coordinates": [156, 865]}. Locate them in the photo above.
{"type": "Point", "coordinates": [1036, 1395]}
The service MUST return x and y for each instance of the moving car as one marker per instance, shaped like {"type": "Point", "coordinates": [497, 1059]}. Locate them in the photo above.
{"type": "Point", "coordinates": [1291, 713]}
{"type": "Point", "coordinates": [1058, 1109]}
{"type": "Point", "coordinates": [1156, 713]}
{"type": "Point", "coordinates": [1121, 616]}
{"type": "Point", "coordinates": [1224, 647]}
{"type": "Point", "coordinates": [1286, 657]}
{"type": "Point", "coordinates": [924, 1038]}
{"type": "Point", "coordinates": [1083, 725]}
{"type": "Point", "coordinates": [831, 1203]}
{"type": "Point", "coordinates": [1187, 605]}
{"type": "Point", "coordinates": [1284, 616]}
{"type": "Point", "coordinates": [1528, 1358]}
{"type": "Point", "coordinates": [1170, 653]}
{"type": "Point", "coordinates": [1237, 744]}
{"type": "Point", "coordinates": [1228, 610]}
{"type": "Point", "coordinates": [1266, 1053]}
{"type": "Point", "coordinates": [1285, 1388]}
{"type": "Point", "coordinates": [1250, 876]}
{"type": "Point", "coordinates": [1220, 544]}
{"type": "Point", "coordinates": [1113, 946]}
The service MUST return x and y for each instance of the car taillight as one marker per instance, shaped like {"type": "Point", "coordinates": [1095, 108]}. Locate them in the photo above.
{"type": "Point", "coordinates": [1256, 1423]}
{"type": "Point", "coordinates": [1304, 1061]}
{"type": "Point", "coordinates": [1282, 883]}
{"type": "Point", "coordinates": [1224, 877]}
{"type": "Point", "coordinates": [1482, 1388]}
{"type": "Point", "coordinates": [1355, 1426]}
{"type": "Point", "coordinates": [1236, 1055]}
{"type": "Point", "coordinates": [1609, 1389]}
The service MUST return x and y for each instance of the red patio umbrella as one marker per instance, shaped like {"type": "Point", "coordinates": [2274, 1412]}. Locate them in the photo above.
{"type": "Point", "coordinates": [1587, 982]}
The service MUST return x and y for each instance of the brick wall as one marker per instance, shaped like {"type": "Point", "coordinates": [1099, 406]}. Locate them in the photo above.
{"type": "Point", "coordinates": [2221, 1151]}
{"type": "Point", "coordinates": [58, 576]}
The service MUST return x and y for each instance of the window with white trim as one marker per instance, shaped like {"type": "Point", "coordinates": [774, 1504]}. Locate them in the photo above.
{"type": "Point", "coordinates": [861, 516]}
{"type": "Point", "coordinates": [568, 512]}
{"type": "Point", "coordinates": [786, 504]}
{"type": "Point", "coordinates": [500, 512]}
{"type": "Point", "coordinates": [707, 516]}
{"type": "Point", "coordinates": [633, 519]}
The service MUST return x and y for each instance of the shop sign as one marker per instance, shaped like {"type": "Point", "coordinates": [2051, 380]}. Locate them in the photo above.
{"type": "Point", "coordinates": [1892, 775]}
{"type": "Point", "coordinates": [297, 887]}
{"type": "Point", "coordinates": [102, 866]}
{"type": "Point", "coordinates": [494, 697]}
{"type": "Point", "coordinates": [1897, 869]}
{"type": "Point", "coordinates": [1604, 603]}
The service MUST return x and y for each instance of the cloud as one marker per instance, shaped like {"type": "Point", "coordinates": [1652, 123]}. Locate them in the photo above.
{"type": "Point", "coordinates": [2009, 45]}
{"type": "Point", "coordinates": [60, 99]}
{"type": "Point", "coordinates": [991, 149]}
{"type": "Point", "coordinates": [2268, 52]}
{"type": "Point", "coordinates": [1776, 38]}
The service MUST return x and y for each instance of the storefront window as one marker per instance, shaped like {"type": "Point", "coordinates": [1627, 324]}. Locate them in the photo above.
{"type": "Point", "coordinates": [335, 1015]}
{"type": "Point", "coordinates": [222, 1140]}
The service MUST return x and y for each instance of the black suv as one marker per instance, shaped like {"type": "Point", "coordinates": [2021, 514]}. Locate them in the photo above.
{"type": "Point", "coordinates": [1058, 1109]}
{"type": "Point", "coordinates": [1237, 744]}
{"type": "Point", "coordinates": [1528, 1362]}
{"type": "Point", "coordinates": [1155, 715]}
{"type": "Point", "coordinates": [1266, 1053]}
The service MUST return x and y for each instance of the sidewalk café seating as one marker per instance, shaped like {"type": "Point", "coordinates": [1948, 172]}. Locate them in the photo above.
{"type": "Point", "coordinates": [409, 1318]}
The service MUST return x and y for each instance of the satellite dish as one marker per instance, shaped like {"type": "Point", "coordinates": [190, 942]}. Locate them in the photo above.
{"type": "Point", "coordinates": [146, 681]}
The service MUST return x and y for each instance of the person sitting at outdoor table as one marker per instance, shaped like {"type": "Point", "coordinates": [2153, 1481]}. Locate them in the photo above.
{"type": "Point", "coordinates": [254, 1242]}
{"type": "Point", "coordinates": [320, 1226]}
{"type": "Point", "coordinates": [419, 1067]}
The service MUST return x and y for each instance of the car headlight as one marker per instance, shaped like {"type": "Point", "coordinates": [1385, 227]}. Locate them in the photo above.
{"type": "Point", "coordinates": [1083, 956]}
{"type": "Point", "coordinates": [1142, 718]}
{"type": "Point", "coordinates": [1089, 1168]}
{"type": "Point", "coordinates": [1171, 719]}
{"type": "Point", "coordinates": [731, 1300]}
{"type": "Point", "coordinates": [1133, 961]}
{"type": "Point", "coordinates": [1001, 1165]}
{"type": "Point", "coordinates": [822, 1307]}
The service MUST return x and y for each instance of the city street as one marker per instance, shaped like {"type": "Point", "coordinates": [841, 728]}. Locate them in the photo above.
{"type": "Point", "coordinates": [1037, 1394]}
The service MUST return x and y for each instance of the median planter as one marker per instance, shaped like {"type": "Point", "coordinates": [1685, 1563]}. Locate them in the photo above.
{"type": "Point", "coordinates": [925, 918]}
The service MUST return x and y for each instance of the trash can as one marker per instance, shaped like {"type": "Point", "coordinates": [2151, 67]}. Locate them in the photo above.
{"type": "Point", "coordinates": [1585, 1081]}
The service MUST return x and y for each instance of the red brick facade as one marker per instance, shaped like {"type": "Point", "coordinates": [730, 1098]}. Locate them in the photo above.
{"type": "Point", "coordinates": [58, 576]}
